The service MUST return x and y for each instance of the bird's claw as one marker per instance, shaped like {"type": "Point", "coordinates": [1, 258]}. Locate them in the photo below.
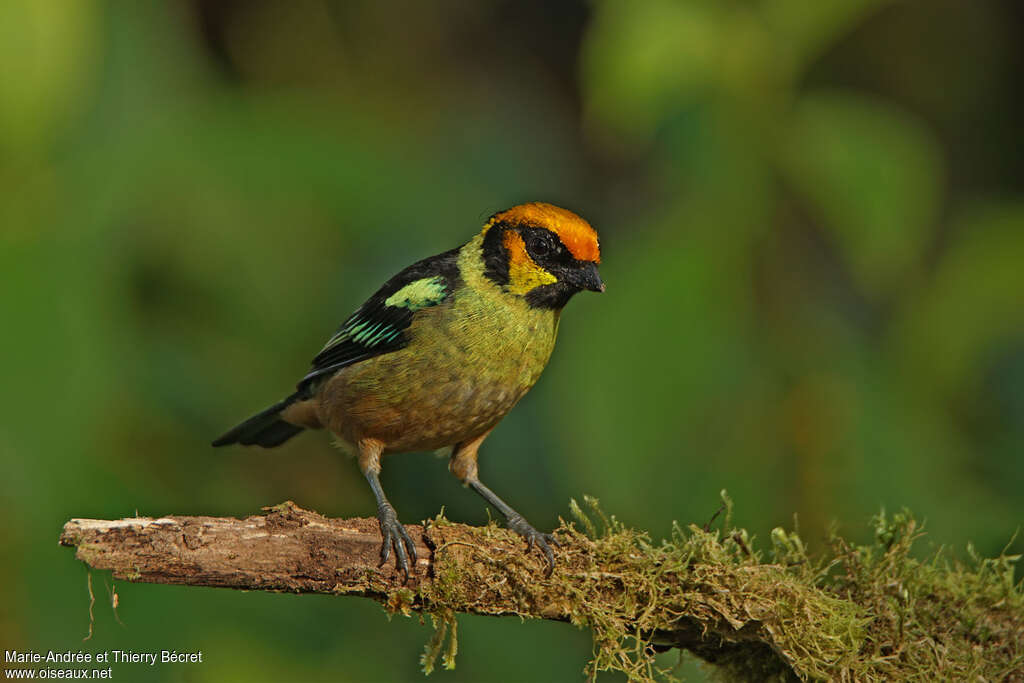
{"type": "Point", "coordinates": [394, 534]}
{"type": "Point", "coordinates": [532, 536]}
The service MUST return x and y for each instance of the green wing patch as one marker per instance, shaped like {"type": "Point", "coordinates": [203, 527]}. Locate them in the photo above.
{"type": "Point", "coordinates": [428, 291]}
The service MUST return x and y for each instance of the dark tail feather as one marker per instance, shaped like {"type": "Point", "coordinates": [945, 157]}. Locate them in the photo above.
{"type": "Point", "coordinates": [265, 428]}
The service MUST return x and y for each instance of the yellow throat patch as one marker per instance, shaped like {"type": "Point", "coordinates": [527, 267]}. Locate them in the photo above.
{"type": "Point", "coordinates": [523, 274]}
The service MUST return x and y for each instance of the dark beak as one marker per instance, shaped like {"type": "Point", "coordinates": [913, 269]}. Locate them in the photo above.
{"type": "Point", "coordinates": [587, 277]}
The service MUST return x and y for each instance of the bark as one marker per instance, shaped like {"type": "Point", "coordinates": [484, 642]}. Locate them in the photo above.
{"type": "Point", "coordinates": [287, 549]}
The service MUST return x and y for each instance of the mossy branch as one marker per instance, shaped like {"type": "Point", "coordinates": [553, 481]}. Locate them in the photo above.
{"type": "Point", "coordinates": [857, 613]}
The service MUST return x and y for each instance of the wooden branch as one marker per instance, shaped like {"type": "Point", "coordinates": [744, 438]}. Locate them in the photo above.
{"type": "Point", "coordinates": [293, 550]}
{"type": "Point", "coordinates": [702, 591]}
{"type": "Point", "coordinates": [288, 549]}
{"type": "Point", "coordinates": [460, 568]}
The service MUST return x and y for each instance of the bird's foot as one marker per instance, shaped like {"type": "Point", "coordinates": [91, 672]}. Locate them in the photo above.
{"type": "Point", "coordinates": [519, 525]}
{"type": "Point", "coordinates": [396, 536]}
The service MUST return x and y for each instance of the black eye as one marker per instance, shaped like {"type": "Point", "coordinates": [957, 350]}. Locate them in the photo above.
{"type": "Point", "coordinates": [539, 247]}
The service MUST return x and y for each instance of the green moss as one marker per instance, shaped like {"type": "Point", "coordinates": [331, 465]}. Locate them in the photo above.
{"type": "Point", "coordinates": [400, 601]}
{"type": "Point", "coordinates": [446, 629]}
{"type": "Point", "coordinates": [285, 507]}
{"type": "Point", "coordinates": [89, 552]}
{"type": "Point", "coordinates": [869, 612]}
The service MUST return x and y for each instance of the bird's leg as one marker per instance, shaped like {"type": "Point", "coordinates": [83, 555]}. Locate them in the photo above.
{"type": "Point", "coordinates": [517, 523]}
{"type": "Point", "coordinates": [392, 531]}
{"type": "Point", "coordinates": [463, 465]}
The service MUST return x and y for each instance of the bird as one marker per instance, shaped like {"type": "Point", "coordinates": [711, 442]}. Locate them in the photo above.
{"type": "Point", "coordinates": [440, 354]}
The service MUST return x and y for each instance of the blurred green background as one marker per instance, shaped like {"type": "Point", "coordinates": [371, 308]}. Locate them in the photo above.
{"type": "Point", "coordinates": [812, 221]}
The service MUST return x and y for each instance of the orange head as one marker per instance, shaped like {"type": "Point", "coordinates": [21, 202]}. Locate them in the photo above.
{"type": "Point", "coordinates": [542, 252]}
